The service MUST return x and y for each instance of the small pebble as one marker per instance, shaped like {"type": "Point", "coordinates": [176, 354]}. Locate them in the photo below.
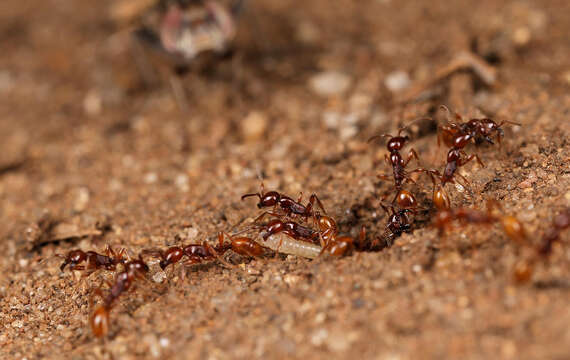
{"type": "Point", "coordinates": [81, 199]}
{"type": "Point", "coordinates": [254, 125]}
{"type": "Point", "coordinates": [397, 81]}
{"type": "Point", "coordinates": [319, 337]}
{"type": "Point", "coordinates": [159, 277]}
{"type": "Point", "coordinates": [150, 178]}
{"type": "Point", "coordinates": [92, 104]}
{"type": "Point", "coordinates": [330, 83]}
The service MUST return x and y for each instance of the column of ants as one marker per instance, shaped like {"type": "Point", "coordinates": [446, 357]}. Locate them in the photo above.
{"type": "Point", "coordinates": [457, 135]}
{"type": "Point", "coordinates": [308, 231]}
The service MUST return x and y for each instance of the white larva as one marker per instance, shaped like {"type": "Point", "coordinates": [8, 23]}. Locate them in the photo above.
{"type": "Point", "coordinates": [287, 245]}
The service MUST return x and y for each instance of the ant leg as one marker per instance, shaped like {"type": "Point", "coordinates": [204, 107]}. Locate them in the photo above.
{"type": "Point", "coordinates": [153, 252]}
{"type": "Point", "coordinates": [109, 251]}
{"type": "Point", "coordinates": [192, 260]}
{"type": "Point", "coordinates": [362, 237]}
{"type": "Point", "coordinates": [464, 161]}
{"type": "Point", "coordinates": [466, 184]}
{"type": "Point", "coordinates": [214, 253]}
{"type": "Point", "coordinates": [384, 177]}
{"type": "Point", "coordinates": [411, 154]}
{"type": "Point", "coordinates": [387, 159]}
{"type": "Point", "coordinates": [314, 199]}
{"type": "Point", "coordinates": [95, 292]}
{"type": "Point", "coordinates": [300, 197]}
{"type": "Point", "coordinates": [263, 214]}
{"type": "Point", "coordinates": [447, 111]}
{"type": "Point", "coordinates": [73, 267]}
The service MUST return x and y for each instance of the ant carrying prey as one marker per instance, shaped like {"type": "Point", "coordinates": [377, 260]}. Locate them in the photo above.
{"type": "Point", "coordinates": [289, 206]}
{"type": "Point", "coordinates": [198, 253]}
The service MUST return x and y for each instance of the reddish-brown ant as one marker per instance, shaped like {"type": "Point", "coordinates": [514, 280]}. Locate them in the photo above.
{"type": "Point", "coordinates": [99, 320]}
{"type": "Point", "coordinates": [560, 223]}
{"type": "Point", "coordinates": [93, 260]}
{"type": "Point", "coordinates": [477, 129]}
{"type": "Point", "coordinates": [290, 228]}
{"type": "Point", "coordinates": [333, 244]}
{"type": "Point", "coordinates": [512, 227]}
{"type": "Point", "coordinates": [398, 223]}
{"type": "Point", "coordinates": [395, 160]}
{"type": "Point", "coordinates": [455, 158]}
{"type": "Point", "coordinates": [197, 253]}
{"type": "Point", "coordinates": [327, 235]}
{"type": "Point", "coordinates": [524, 268]}
{"type": "Point", "coordinates": [287, 204]}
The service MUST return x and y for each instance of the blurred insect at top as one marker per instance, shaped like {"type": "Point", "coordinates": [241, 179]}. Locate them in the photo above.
{"type": "Point", "coordinates": [185, 28]}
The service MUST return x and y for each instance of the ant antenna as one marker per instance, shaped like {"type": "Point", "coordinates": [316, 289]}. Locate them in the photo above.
{"type": "Point", "coordinates": [379, 136]}
{"type": "Point", "coordinates": [413, 122]}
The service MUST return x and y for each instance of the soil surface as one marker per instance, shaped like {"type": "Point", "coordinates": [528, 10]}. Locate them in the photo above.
{"type": "Point", "coordinates": [92, 155]}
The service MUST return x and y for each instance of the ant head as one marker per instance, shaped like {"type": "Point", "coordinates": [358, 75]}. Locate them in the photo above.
{"type": "Point", "coordinates": [269, 199]}
{"type": "Point", "coordinates": [453, 155]}
{"type": "Point", "coordinates": [326, 222]}
{"type": "Point", "coordinates": [397, 143]}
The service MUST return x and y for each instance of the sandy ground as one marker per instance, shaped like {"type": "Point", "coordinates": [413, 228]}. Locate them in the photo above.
{"type": "Point", "coordinates": [85, 144]}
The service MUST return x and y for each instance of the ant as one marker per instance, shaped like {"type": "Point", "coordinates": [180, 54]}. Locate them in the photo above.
{"type": "Point", "coordinates": [398, 223]}
{"type": "Point", "coordinates": [99, 320]}
{"type": "Point", "coordinates": [524, 268]}
{"type": "Point", "coordinates": [327, 235]}
{"type": "Point", "coordinates": [395, 160]}
{"type": "Point", "coordinates": [560, 223]}
{"type": "Point", "coordinates": [456, 158]}
{"type": "Point", "coordinates": [512, 227]}
{"type": "Point", "coordinates": [197, 253]}
{"type": "Point", "coordinates": [289, 228]}
{"type": "Point", "coordinates": [287, 204]}
{"type": "Point", "coordinates": [333, 244]}
{"type": "Point", "coordinates": [477, 129]}
{"type": "Point", "coordinates": [94, 261]}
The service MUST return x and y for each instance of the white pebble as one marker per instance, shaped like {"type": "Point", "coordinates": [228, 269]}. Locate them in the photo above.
{"type": "Point", "coordinates": [330, 83]}
{"type": "Point", "coordinates": [397, 81]}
